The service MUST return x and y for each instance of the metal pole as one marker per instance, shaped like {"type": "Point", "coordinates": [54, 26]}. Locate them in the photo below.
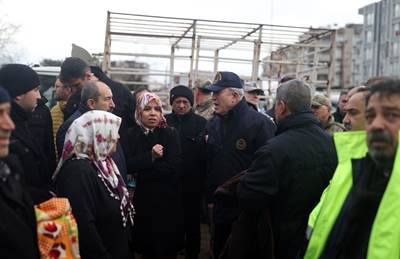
{"type": "Point", "coordinates": [196, 69]}
{"type": "Point", "coordinates": [315, 62]}
{"type": "Point", "coordinates": [299, 61]}
{"type": "Point", "coordinates": [216, 57]}
{"type": "Point", "coordinates": [332, 65]}
{"type": "Point", "coordinates": [192, 55]}
{"type": "Point", "coordinates": [171, 67]}
{"type": "Point", "coordinates": [256, 57]}
{"type": "Point", "coordinates": [107, 46]}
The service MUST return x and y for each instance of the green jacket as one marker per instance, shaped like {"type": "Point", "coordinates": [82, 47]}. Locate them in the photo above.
{"type": "Point", "coordinates": [384, 241]}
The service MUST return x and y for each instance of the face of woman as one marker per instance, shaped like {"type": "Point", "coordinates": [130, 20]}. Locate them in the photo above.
{"type": "Point", "coordinates": [151, 115]}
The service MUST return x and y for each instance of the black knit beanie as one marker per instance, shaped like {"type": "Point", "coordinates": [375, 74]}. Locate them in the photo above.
{"type": "Point", "coordinates": [181, 91]}
{"type": "Point", "coordinates": [18, 79]}
{"type": "Point", "coordinates": [4, 96]}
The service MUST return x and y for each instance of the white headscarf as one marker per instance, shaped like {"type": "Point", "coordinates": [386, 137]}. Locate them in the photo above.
{"type": "Point", "coordinates": [93, 136]}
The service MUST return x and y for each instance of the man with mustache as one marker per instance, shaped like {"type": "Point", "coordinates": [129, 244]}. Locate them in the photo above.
{"type": "Point", "coordinates": [359, 215]}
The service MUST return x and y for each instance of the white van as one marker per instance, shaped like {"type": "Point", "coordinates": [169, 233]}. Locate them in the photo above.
{"type": "Point", "coordinates": [47, 76]}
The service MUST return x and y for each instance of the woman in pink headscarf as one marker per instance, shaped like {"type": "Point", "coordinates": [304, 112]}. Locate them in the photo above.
{"type": "Point", "coordinates": [89, 178]}
{"type": "Point", "coordinates": [152, 153]}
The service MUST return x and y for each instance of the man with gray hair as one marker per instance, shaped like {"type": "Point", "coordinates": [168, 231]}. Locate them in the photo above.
{"type": "Point", "coordinates": [234, 134]}
{"type": "Point", "coordinates": [291, 171]}
{"type": "Point", "coordinates": [95, 95]}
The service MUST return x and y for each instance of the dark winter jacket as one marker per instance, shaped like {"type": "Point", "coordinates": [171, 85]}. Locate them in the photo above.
{"type": "Point", "coordinates": [232, 141]}
{"type": "Point", "coordinates": [118, 156]}
{"type": "Point", "coordinates": [72, 104]}
{"type": "Point", "coordinates": [288, 176]}
{"type": "Point", "coordinates": [41, 125]}
{"type": "Point", "coordinates": [338, 117]}
{"type": "Point", "coordinates": [17, 217]}
{"type": "Point", "coordinates": [191, 130]}
{"type": "Point", "coordinates": [158, 229]}
{"type": "Point", "coordinates": [25, 146]}
{"type": "Point", "coordinates": [101, 232]}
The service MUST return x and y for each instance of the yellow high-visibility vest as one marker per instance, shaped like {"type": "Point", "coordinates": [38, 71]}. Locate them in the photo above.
{"type": "Point", "coordinates": [384, 241]}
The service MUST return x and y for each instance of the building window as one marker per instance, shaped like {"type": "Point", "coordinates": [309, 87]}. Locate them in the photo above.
{"type": "Point", "coordinates": [397, 10]}
{"type": "Point", "coordinates": [395, 49]}
{"type": "Point", "coordinates": [370, 18]}
{"type": "Point", "coordinates": [368, 36]}
{"type": "Point", "coordinates": [368, 53]}
{"type": "Point", "coordinates": [396, 29]}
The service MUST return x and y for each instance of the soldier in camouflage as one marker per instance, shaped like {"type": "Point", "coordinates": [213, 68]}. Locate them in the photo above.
{"type": "Point", "coordinates": [322, 107]}
{"type": "Point", "coordinates": [204, 105]}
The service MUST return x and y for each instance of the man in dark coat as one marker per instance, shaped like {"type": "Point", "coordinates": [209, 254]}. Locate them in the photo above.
{"type": "Point", "coordinates": [17, 217]}
{"type": "Point", "coordinates": [190, 128]}
{"type": "Point", "coordinates": [339, 114]}
{"type": "Point", "coordinates": [95, 96]}
{"type": "Point", "coordinates": [233, 136]}
{"type": "Point", "coordinates": [290, 172]}
{"type": "Point", "coordinates": [74, 72]}
{"type": "Point", "coordinates": [41, 124]}
{"type": "Point", "coordinates": [22, 83]}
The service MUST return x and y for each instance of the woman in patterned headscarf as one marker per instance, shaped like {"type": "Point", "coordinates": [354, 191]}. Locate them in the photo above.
{"type": "Point", "coordinates": [153, 154]}
{"type": "Point", "coordinates": [89, 178]}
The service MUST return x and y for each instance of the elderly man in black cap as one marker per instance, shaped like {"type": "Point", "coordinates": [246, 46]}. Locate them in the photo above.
{"type": "Point", "coordinates": [23, 83]}
{"type": "Point", "coordinates": [17, 217]}
{"type": "Point", "coordinates": [233, 136]}
{"type": "Point", "coordinates": [190, 128]}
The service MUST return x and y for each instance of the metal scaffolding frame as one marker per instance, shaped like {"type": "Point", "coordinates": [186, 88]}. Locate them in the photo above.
{"type": "Point", "coordinates": [201, 41]}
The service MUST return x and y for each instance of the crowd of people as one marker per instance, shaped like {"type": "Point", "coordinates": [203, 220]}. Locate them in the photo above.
{"type": "Point", "coordinates": [298, 181]}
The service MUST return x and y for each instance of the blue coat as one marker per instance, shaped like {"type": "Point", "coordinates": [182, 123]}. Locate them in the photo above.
{"type": "Point", "coordinates": [232, 141]}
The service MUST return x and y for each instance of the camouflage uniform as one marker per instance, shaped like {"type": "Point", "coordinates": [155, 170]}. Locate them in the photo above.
{"type": "Point", "coordinates": [206, 110]}
{"type": "Point", "coordinates": [332, 126]}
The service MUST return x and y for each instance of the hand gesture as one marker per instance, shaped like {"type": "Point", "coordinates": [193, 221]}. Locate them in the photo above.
{"type": "Point", "coordinates": [157, 151]}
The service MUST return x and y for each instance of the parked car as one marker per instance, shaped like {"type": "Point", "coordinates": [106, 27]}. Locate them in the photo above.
{"type": "Point", "coordinates": [47, 76]}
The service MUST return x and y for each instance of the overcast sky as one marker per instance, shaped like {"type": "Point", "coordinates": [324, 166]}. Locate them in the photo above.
{"type": "Point", "coordinates": [49, 27]}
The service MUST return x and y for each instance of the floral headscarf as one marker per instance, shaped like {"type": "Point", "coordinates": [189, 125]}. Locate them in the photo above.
{"type": "Point", "coordinates": [93, 136]}
{"type": "Point", "coordinates": [145, 100]}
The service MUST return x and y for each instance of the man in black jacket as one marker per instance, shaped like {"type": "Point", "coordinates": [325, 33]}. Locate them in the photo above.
{"type": "Point", "coordinates": [233, 136]}
{"type": "Point", "coordinates": [22, 83]}
{"type": "Point", "coordinates": [96, 95]}
{"type": "Point", "coordinates": [190, 128]}
{"type": "Point", "coordinates": [41, 124]}
{"type": "Point", "coordinates": [75, 72]}
{"type": "Point", "coordinates": [17, 217]}
{"type": "Point", "coordinates": [290, 172]}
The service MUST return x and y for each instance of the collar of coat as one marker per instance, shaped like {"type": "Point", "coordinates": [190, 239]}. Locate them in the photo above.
{"type": "Point", "coordinates": [17, 113]}
{"type": "Point", "coordinates": [238, 109]}
{"type": "Point", "coordinates": [296, 120]}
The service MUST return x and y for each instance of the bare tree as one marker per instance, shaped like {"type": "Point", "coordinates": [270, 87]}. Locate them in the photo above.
{"type": "Point", "coordinates": [7, 32]}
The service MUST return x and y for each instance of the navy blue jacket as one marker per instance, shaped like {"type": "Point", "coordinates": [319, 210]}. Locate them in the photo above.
{"type": "Point", "coordinates": [232, 141]}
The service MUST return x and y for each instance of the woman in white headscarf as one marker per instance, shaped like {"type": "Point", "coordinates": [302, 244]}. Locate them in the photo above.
{"type": "Point", "coordinates": [153, 154]}
{"type": "Point", "coordinates": [89, 178]}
